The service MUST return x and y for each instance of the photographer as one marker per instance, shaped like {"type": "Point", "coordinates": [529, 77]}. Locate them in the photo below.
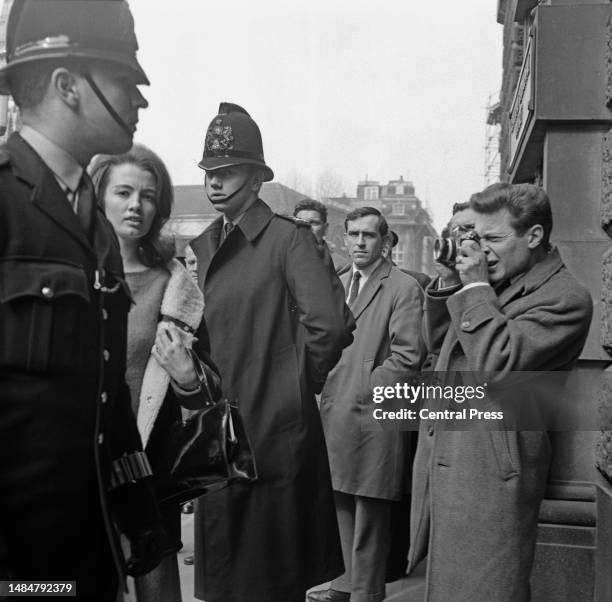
{"type": "Point", "coordinates": [509, 304]}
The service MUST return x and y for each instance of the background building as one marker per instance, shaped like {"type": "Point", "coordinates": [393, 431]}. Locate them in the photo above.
{"type": "Point", "coordinates": [555, 115]}
{"type": "Point", "coordinates": [193, 212]}
{"type": "Point", "coordinates": [406, 216]}
{"type": "Point", "coordinates": [405, 213]}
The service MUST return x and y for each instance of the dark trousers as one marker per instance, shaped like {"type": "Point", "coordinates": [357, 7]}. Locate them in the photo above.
{"type": "Point", "coordinates": [364, 525]}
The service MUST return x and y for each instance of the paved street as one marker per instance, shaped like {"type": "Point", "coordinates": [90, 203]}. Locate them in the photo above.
{"type": "Point", "coordinates": [409, 589]}
{"type": "Point", "coordinates": [186, 571]}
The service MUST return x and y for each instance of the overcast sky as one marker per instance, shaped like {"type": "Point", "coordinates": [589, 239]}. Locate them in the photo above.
{"type": "Point", "coordinates": [347, 87]}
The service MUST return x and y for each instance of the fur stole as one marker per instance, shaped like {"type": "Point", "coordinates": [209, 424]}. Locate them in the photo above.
{"type": "Point", "coordinates": [182, 301]}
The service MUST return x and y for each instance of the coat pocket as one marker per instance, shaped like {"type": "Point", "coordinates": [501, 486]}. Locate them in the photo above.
{"type": "Point", "coordinates": [365, 393]}
{"type": "Point", "coordinates": [286, 385]}
{"type": "Point", "coordinates": [505, 450]}
{"type": "Point", "coordinates": [41, 308]}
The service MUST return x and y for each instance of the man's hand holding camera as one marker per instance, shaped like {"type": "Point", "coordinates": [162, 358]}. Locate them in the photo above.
{"type": "Point", "coordinates": [471, 265]}
{"type": "Point", "coordinates": [461, 260]}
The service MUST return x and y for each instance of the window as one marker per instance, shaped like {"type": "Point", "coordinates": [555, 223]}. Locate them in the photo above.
{"type": "Point", "coordinates": [399, 208]}
{"type": "Point", "coordinates": [370, 193]}
{"type": "Point", "coordinates": [398, 254]}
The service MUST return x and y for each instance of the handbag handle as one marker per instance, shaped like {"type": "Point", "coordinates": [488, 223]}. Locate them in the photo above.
{"type": "Point", "coordinates": [202, 379]}
{"type": "Point", "coordinates": [231, 434]}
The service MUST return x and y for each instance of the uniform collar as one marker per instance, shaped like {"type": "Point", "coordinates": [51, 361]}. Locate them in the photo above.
{"type": "Point", "coordinates": [255, 219]}
{"type": "Point", "coordinates": [234, 222]}
{"type": "Point", "coordinates": [63, 165]}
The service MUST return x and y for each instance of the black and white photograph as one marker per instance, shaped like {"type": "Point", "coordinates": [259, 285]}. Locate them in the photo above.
{"type": "Point", "coordinates": [306, 302]}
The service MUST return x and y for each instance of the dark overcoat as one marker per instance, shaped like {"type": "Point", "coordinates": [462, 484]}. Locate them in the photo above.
{"type": "Point", "coordinates": [387, 349]}
{"type": "Point", "coordinates": [276, 317]}
{"type": "Point", "coordinates": [65, 412]}
{"type": "Point", "coordinates": [476, 495]}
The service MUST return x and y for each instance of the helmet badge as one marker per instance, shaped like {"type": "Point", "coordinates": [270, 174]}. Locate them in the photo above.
{"type": "Point", "coordinates": [219, 137]}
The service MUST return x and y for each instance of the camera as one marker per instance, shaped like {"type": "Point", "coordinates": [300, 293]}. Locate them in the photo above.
{"type": "Point", "coordinates": [446, 248]}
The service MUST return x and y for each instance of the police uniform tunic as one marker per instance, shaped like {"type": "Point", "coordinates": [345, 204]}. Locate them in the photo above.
{"type": "Point", "coordinates": [64, 406]}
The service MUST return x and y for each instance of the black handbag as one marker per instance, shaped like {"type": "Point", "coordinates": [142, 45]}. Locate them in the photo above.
{"type": "Point", "coordinates": [205, 451]}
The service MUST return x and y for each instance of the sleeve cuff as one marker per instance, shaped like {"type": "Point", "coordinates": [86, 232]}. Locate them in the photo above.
{"type": "Point", "coordinates": [473, 285]}
{"type": "Point", "coordinates": [185, 392]}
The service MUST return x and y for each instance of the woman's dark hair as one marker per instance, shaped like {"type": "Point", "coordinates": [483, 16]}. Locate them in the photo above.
{"type": "Point", "coordinates": [156, 248]}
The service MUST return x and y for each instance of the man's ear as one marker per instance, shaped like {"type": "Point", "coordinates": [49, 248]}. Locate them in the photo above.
{"type": "Point", "coordinates": [535, 236]}
{"type": "Point", "coordinates": [256, 180]}
{"type": "Point", "coordinates": [64, 84]}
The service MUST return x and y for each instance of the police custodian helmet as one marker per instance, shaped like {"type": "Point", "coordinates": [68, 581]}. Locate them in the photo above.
{"type": "Point", "coordinates": [56, 29]}
{"type": "Point", "coordinates": [233, 138]}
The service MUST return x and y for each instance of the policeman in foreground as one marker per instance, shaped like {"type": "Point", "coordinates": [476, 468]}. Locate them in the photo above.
{"type": "Point", "coordinates": [71, 465]}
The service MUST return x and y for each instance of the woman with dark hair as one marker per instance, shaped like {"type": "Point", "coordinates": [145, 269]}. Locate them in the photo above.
{"type": "Point", "coordinates": [136, 192]}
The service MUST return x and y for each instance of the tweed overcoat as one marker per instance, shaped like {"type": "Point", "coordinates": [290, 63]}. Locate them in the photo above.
{"type": "Point", "coordinates": [65, 411]}
{"type": "Point", "coordinates": [476, 495]}
{"type": "Point", "coordinates": [387, 349]}
{"type": "Point", "coordinates": [276, 317]}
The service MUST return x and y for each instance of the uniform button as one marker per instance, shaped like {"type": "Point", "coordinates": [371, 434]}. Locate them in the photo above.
{"type": "Point", "coordinates": [100, 438]}
{"type": "Point", "coordinates": [104, 397]}
{"type": "Point", "coordinates": [465, 324]}
{"type": "Point", "coordinates": [106, 355]}
{"type": "Point", "coordinates": [104, 314]}
{"type": "Point", "coordinates": [46, 292]}
{"type": "Point", "coordinates": [430, 430]}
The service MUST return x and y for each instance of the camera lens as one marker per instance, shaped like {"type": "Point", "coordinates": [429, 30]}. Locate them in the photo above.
{"type": "Point", "coordinates": [445, 251]}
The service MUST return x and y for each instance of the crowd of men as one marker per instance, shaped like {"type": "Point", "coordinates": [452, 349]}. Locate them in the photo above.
{"type": "Point", "coordinates": [284, 327]}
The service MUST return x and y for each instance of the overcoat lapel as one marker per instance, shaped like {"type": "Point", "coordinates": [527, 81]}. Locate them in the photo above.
{"type": "Point", "coordinates": [371, 287]}
{"type": "Point", "coordinates": [106, 252]}
{"type": "Point", "coordinates": [214, 237]}
{"type": "Point", "coordinates": [206, 246]}
{"type": "Point", "coordinates": [533, 279]}
{"type": "Point", "coordinates": [30, 168]}
{"type": "Point", "coordinates": [255, 220]}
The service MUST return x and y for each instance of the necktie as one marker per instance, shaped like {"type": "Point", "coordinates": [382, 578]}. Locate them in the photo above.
{"type": "Point", "coordinates": [354, 288]}
{"type": "Point", "coordinates": [227, 228]}
{"type": "Point", "coordinates": [86, 204]}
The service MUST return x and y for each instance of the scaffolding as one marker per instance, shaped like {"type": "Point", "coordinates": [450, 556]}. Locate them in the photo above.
{"type": "Point", "coordinates": [492, 165]}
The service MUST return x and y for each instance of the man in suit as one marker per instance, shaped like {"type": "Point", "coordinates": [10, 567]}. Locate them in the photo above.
{"type": "Point", "coordinates": [71, 463]}
{"type": "Point", "coordinates": [276, 316]}
{"type": "Point", "coordinates": [315, 213]}
{"type": "Point", "coordinates": [369, 467]}
{"type": "Point", "coordinates": [509, 305]}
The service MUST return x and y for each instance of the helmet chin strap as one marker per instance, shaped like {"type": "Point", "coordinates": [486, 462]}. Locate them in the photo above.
{"type": "Point", "coordinates": [230, 196]}
{"type": "Point", "coordinates": [106, 104]}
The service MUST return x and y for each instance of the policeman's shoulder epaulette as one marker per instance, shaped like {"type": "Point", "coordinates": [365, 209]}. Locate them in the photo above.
{"type": "Point", "coordinates": [295, 220]}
